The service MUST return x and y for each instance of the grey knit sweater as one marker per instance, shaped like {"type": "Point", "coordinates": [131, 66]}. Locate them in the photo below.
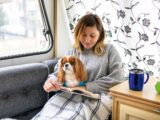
{"type": "Point", "coordinates": [103, 71]}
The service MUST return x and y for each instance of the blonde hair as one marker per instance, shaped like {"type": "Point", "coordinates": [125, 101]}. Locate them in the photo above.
{"type": "Point", "coordinates": [90, 20]}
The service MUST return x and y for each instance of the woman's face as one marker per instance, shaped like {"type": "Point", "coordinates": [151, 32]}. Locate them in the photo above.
{"type": "Point", "coordinates": [89, 37]}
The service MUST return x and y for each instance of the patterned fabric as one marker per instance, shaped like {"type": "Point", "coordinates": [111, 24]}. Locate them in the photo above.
{"type": "Point", "coordinates": [66, 106]}
{"type": "Point", "coordinates": [132, 26]}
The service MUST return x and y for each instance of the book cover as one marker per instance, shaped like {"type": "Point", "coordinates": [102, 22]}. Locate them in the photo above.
{"type": "Point", "coordinates": [80, 91]}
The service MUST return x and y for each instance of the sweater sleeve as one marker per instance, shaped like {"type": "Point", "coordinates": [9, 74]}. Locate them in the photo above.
{"type": "Point", "coordinates": [113, 76]}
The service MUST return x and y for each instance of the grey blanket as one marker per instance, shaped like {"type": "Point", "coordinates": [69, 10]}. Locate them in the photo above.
{"type": "Point", "coordinates": [66, 106]}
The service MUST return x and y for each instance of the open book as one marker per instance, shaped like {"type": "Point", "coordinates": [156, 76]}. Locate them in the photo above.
{"type": "Point", "coordinates": [80, 91]}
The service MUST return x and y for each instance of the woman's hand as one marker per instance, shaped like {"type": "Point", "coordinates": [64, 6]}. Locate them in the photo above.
{"type": "Point", "coordinates": [51, 85]}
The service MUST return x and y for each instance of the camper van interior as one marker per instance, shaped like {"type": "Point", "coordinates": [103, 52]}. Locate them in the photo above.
{"type": "Point", "coordinates": [36, 34]}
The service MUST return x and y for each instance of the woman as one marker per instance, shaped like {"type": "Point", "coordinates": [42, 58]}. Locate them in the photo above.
{"type": "Point", "coordinates": [104, 68]}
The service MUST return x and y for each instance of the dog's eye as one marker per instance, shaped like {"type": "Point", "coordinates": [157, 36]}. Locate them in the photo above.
{"type": "Point", "coordinates": [63, 61]}
{"type": "Point", "coordinates": [72, 62]}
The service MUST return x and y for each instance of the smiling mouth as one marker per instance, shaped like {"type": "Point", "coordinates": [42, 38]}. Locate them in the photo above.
{"type": "Point", "coordinates": [87, 44]}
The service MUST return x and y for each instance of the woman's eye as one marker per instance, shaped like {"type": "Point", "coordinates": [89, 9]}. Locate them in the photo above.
{"type": "Point", "coordinates": [92, 36]}
{"type": "Point", "coordinates": [84, 35]}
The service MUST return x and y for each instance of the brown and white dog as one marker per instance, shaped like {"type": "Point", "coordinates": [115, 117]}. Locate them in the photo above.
{"type": "Point", "coordinates": [71, 71]}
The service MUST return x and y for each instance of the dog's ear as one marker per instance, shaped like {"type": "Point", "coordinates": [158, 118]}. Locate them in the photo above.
{"type": "Point", "coordinates": [81, 73]}
{"type": "Point", "coordinates": [60, 75]}
{"type": "Point", "coordinates": [60, 62]}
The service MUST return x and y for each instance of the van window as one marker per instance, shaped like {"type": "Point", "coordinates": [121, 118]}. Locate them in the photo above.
{"type": "Point", "coordinates": [24, 28]}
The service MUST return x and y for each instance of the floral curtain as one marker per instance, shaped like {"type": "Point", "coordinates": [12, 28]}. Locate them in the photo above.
{"type": "Point", "coordinates": [132, 26]}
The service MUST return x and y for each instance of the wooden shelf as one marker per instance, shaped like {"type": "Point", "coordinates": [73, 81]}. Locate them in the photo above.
{"type": "Point", "coordinates": [147, 101]}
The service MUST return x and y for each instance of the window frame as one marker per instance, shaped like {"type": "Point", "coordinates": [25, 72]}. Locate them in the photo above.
{"type": "Point", "coordinates": [46, 32]}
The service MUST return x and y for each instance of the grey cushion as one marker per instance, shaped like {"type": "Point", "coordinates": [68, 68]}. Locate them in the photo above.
{"type": "Point", "coordinates": [21, 88]}
{"type": "Point", "coordinates": [51, 64]}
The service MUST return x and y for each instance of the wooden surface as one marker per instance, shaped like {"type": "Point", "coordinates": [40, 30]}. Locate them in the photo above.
{"type": "Point", "coordinates": [148, 93]}
{"type": "Point", "coordinates": [135, 105]}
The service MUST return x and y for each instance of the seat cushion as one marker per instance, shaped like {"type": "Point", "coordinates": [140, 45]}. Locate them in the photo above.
{"type": "Point", "coordinates": [21, 88]}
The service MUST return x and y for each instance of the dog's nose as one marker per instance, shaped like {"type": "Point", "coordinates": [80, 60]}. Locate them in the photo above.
{"type": "Point", "coordinates": [66, 65]}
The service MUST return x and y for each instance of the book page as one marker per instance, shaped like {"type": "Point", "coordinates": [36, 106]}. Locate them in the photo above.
{"type": "Point", "coordinates": [80, 91]}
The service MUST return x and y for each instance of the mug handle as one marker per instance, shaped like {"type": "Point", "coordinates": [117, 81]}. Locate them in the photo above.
{"type": "Point", "coordinates": [146, 78]}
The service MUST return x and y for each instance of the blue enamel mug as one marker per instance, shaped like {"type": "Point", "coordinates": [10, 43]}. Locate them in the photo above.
{"type": "Point", "coordinates": [136, 79]}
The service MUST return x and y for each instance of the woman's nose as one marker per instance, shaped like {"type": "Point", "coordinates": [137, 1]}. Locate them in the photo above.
{"type": "Point", "coordinates": [87, 39]}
